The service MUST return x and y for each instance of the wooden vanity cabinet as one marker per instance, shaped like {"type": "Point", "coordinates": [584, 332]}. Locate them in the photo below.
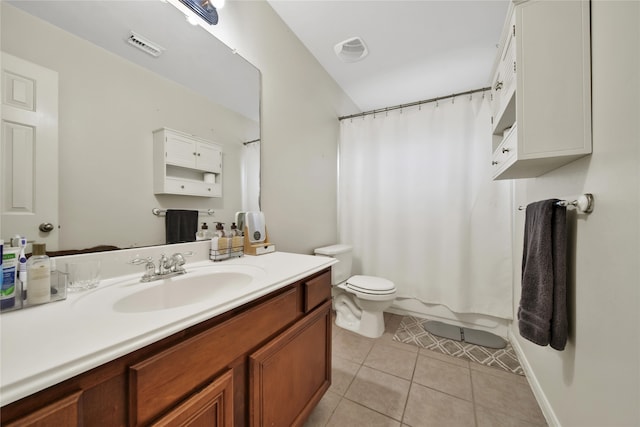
{"type": "Point", "coordinates": [265, 363]}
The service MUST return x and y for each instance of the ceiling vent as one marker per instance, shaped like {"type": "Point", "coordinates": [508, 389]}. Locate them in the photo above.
{"type": "Point", "coordinates": [351, 50]}
{"type": "Point", "coordinates": [144, 45]}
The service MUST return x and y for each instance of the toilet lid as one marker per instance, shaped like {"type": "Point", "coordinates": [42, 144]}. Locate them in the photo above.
{"type": "Point", "coordinates": [371, 285]}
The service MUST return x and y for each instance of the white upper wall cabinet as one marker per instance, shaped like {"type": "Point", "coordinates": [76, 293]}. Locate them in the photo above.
{"type": "Point", "coordinates": [541, 90]}
{"type": "Point", "coordinates": [185, 164]}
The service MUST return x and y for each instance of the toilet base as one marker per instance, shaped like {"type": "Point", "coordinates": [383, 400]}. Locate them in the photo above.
{"type": "Point", "coordinates": [370, 324]}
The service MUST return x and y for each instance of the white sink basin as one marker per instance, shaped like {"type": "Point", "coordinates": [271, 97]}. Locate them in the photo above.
{"type": "Point", "coordinates": [183, 290]}
{"type": "Point", "coordinates": [208, 286]}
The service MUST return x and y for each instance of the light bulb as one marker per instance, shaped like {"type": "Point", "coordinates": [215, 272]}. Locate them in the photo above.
{"type": "Point", "coordinates": [192, 20]}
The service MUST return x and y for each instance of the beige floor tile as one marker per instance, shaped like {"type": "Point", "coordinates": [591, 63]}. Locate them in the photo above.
{"type": "Point", "coordinates": [431, 408]}
{"type": "Point", "coordinates": [351, 346]}
{"type": "Point", "coordinates": [379, 391]}
{"type": "Point", "coordinates": [391, 360]}
{"type": "Point", "coordinates": [343, 372]}
{"type": "Point", "coordinates": [508, 396]}
{"type": "Point", "coordinates": [498, 372]}
{"type": "Point", "coordinates": [350, 414]}
{"type": "Point", "coordinates": [323, 411]}
{"type": "Point", "coordinates": [444, 357]}
{"type": "Point", "coordinates": [443, 376]}
{"type": "Point", "coordinates": [488, 418]}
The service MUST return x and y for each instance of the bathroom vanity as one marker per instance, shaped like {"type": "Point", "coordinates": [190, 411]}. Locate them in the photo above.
{"type": "Point", "coordinates": [259, 353]}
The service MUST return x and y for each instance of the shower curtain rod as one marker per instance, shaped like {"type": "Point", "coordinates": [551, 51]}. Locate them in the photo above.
{"type": "Point", "coordinates": [413, 104]}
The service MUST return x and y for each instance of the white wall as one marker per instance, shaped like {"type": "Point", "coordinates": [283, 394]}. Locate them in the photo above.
{"type": "Point", "coordinates": [300, 107]}
{"type": "Point", "coordinates": [108, 109]}
{"type": "Point", "coordinates": [595, 381]}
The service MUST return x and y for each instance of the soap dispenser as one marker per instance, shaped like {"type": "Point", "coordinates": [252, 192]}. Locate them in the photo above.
{"type": "Point", "coordinates": [234, 230]}
{"type": "Point", "coordinates": [219, 229]}
{"type": "Point", "coordinates": [203, 234]}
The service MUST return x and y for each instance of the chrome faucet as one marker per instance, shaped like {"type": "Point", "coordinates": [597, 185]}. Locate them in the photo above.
{"type": "Point", "coordinates": [167, 267]}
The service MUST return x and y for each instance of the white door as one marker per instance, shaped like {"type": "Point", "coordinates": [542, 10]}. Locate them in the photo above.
{"type": "Point", "coordinates": [29, 159]}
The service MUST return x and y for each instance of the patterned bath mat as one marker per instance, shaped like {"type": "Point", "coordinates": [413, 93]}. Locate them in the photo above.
{"type": "Point", "coordinates": [411, 331]}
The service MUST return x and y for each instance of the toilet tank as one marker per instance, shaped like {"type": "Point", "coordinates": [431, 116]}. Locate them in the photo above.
{"type": "Point", "coordinates": [341, 271]}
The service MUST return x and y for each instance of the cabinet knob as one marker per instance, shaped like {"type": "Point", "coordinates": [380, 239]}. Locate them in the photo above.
{"type": "Point", "coordinates": [182, 186]}
{"type": "Point", "coordinates": [493, 162]}
{"type": "Point", "coordinates": [498, 85]}
{"type": "Point", "coordinates": [195, 154]}
{"type": "Point", "coordinates": [198, 154]}
{"type": "Point", "coordinates": [505, 150]}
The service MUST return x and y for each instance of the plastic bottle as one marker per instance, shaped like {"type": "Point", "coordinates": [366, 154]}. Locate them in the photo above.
{"type": "Point", "coordinates": [39, 275]}
{"type": "Point", "coordinates": [9, 278]}
{"type": "Point", "coordinates": [219, 229]}
{"type": "Point", "coordinates": [203, 234]}
{"type": "Point", "coordinates": [22, 267]}
{"type": "Point", "coordinates": [234, 230]}
{"type": "Point", "coordinates": [1, 255]}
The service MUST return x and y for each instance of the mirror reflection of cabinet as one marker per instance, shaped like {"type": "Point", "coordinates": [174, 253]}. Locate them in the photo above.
{"type": "Point", "coordinates": [185, 164]}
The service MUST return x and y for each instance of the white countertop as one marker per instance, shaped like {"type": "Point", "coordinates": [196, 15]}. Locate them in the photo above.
{"type": "Point", "coordinates": [42, 346]}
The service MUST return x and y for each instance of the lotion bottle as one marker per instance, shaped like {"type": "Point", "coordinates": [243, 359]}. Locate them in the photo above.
{"type": "Point", "coordinates": [38, 275]}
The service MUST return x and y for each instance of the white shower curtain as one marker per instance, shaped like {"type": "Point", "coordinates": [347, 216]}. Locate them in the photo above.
{"type": "Point", "coordinates": [417, 203]}
{"type": "Point", "coordinates": [251, 177]}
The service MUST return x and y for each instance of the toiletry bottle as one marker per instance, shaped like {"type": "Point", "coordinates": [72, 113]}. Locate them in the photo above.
{"type": "Point", "coordinates": [39, 275]}
{"type": "Point", "coordinates": [22, 268]}
{"type": "Point", "coordinates": [234, 230]}
{"type": "Point", "coordinates": [203, 234]}
{"type": "Point", "coordinates": [9, 278]}
{"type": "Point", "coordinates": [1, 270]}
{"type": "Point", "coordinates": [219, 229]}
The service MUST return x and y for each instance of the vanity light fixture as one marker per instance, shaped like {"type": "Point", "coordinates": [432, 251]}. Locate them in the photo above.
{"type": "Point", "coordinates": [205, 9]}
{"type": "Point", "coordinates": [351, 50]}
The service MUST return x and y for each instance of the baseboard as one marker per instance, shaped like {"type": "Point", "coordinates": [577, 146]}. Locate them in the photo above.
{"type": "Point", "coordinates": [544, 404]}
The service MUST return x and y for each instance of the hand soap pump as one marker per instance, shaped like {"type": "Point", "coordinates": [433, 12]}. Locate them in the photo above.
{"type": "Point", "coordinates": [234, 230]}
{"type": "Point", "coordinates": [203, 234]}
{"type": "Point", "coordinates": [219, 229]}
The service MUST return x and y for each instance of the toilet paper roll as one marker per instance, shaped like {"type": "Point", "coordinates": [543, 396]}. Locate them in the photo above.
{"type": "Point", "coordinates": [210, 178]}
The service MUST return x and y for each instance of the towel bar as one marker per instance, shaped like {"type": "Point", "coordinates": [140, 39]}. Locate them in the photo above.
{"type": "Point", "coordinates": [159, 212]}
{"type": "Point", "coordinates": [583, 204]}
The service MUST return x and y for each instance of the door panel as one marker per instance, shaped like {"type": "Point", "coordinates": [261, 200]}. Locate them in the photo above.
{"type": "Point", "coordinates": [29, 190]}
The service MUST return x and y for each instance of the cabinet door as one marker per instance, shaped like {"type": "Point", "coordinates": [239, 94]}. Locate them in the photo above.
{"type": "Point", "coordinates": [553, 102]}
{"type": "Point", "coordinates": [64, 412]}
{"type": "Point", "coordinates": [289, 375]}
{"type": "Point", "coordinates": [209, 158]}
{"type": "Point", "coordinates": [211, 407]}
{"type": "Point", "coordinates": [180, 151]}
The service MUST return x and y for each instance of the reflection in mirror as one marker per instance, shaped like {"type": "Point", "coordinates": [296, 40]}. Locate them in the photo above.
{"type": "Point", "coordinates": [106, 98]}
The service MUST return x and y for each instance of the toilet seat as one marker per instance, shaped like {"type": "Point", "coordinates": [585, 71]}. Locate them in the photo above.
{"type": "Point", "coordinates": [370, 285]}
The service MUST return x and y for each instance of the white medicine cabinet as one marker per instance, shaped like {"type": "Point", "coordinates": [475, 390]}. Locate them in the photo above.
{"type": "Point", "coordinates": [185, 164]}
{"type": "Point", "coordinates": [541, 88]}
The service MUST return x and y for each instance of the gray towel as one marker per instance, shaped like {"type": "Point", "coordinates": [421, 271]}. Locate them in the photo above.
{"type": "Point", "coordinates": [181, 225]}
{"type": "Point", "coordinates": [542, 314]}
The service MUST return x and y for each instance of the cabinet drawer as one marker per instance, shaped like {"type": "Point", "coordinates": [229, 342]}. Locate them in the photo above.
{"type": "Point", "coordinates": [317, 291]}
{"type": "Point", "coordinates": [506, 152]}
{"type": "Point", "coordinates": [212, 406]}
{"type": "Point", "coordinates": [167, 378]}
{"type": "Point", "coordinates": [63, 412]}
{"type": "Point", "coordinates": [192, 188]}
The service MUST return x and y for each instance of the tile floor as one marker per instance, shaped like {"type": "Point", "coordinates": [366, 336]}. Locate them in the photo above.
{"type": "Point", "coordinates": [382, 382]}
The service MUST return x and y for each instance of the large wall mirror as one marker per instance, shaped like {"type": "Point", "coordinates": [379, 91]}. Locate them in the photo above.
{"type": "Point", "coordinates": [111, 96]}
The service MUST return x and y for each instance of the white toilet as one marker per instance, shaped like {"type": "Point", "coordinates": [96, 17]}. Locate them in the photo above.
{"type": "Point", "coordinates": [359, 301]}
